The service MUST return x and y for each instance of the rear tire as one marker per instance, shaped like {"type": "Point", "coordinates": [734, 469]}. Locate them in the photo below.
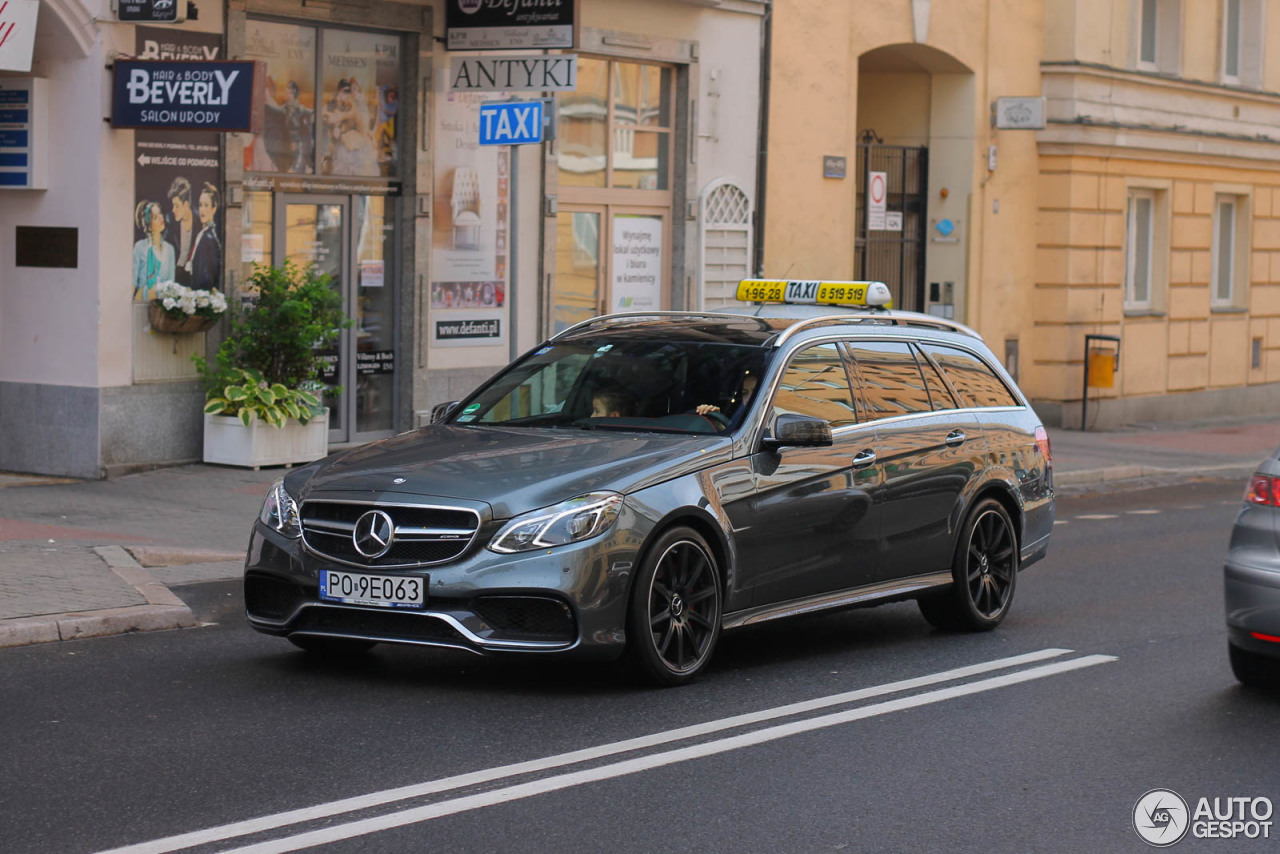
{"type": "Point", "coordinates": [984, 573]}
{"type": "Point", "coordinates": [331, 647]}
{"type": "Point", "coordinates": [1252, 669]}
{"type": "Point", "coordinates": [673, 618]}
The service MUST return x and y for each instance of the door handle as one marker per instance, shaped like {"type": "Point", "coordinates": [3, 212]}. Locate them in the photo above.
{"type": "Point", "coordinates": [864, 459]}
{"type": "Point", "coordinates": [955, 438]}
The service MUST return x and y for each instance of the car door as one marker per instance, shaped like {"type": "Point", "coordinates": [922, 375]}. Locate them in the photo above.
{"type": "Point", "coordinates": [808, 527]}
{"type": "Point", "coordinates": [929, 448]}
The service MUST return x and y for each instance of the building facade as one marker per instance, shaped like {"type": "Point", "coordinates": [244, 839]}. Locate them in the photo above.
{"type": "Point", "coordinates": [1159, 217]}
{"type": "Point", "coordinates": [451, 257]}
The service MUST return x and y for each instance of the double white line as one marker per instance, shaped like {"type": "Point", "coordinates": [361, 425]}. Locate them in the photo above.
{"type": "Point", "coordinates": [375, 824]}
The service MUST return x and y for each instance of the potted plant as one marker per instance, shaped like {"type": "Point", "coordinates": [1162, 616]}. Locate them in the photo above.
{"type": "Point", "coordinates": [262, 396]}
{"type": "Point", "coordinates": [180, 310]}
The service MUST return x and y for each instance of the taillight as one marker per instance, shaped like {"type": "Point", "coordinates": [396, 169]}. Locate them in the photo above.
{"type": "Point", "coordinates": [1268, 638]}
{"type": "Point", "coordinates": [1263, 490]}
{"type": "Point", "coordinates": [1042, 441]}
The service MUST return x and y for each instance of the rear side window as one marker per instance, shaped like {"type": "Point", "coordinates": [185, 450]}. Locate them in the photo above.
{"type": "Point", "coordinates": [972, 379]}
{"type": "Point", "coordinates": [816, 384]}
{"type": "Point", "coordinates": [939, 394]}
{"type": "Point", "coordinates": [889, 378]}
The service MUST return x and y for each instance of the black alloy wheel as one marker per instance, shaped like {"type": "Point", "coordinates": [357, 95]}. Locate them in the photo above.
{"type": "Point", "coordinates": [984, 572]}
{"type": "Point", "coordinates": [673, 621]}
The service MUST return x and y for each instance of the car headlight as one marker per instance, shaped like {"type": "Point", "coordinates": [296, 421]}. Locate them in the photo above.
{"type": "Point", "coordinates": [570, 521]}
{"type": "Point", "coordinates": [280, 512]}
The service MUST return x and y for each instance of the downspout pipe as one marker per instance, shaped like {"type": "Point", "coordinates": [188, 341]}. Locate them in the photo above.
{"type": "Point", "coordinates": [762, 145]}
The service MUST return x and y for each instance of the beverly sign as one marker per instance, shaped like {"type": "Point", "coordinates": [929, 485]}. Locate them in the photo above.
{"type": "Point", "coordinates": [534, 73]}
{"type": "Point", "coordinates": [217, 96]}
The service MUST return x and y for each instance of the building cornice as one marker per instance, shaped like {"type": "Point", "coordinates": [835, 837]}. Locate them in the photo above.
{"type": "Point", "coordinates": [1158, 80]}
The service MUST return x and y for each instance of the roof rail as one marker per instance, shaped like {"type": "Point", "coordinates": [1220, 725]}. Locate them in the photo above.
{"type": "Point", "coordinates": [897, 318]}
{"type": "Point", "coordinates": [633, 315]}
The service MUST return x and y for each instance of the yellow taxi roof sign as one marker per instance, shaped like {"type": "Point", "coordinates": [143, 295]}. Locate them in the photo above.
{"type": "Point", "coordinates": [809, 292]}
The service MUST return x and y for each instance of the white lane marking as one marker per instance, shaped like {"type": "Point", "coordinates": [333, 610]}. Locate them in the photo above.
{"type": "Point", "coordinates": [1143, 512]}
{"type": "Point", "coordinates": [433, 787]}
{"type": "Point", "coordinates": [417, 815]}
{"type": "Point", "coordinates": [1059, 521]}
{"type": "Point", "coordinates": [1099, 516]}
{"type": "Point", "coordinates": [1190, 506]}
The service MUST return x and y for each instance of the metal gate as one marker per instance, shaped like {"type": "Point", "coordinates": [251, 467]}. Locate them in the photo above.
{"type": "Point", "coordinates": [895, 257]}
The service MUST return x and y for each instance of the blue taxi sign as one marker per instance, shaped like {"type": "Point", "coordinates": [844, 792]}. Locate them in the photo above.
{"type": "Point", "coordinates": [511, 123]}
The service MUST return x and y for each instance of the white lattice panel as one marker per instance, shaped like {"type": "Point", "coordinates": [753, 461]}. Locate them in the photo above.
{"type": "Point", "coordinates": [726, 243]}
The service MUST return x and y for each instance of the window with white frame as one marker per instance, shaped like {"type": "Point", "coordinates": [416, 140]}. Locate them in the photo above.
{"type": "Point", "coordinates": [1243, 37]}
{"type": "Point", "coordinates": [1229, 284]}
{"type": "Point", "coordinates": [1140, 250]}
{"type": "Point", "coordinates": [1231, 42]}
{"type": "Point", "coordinates": [1158, 26]}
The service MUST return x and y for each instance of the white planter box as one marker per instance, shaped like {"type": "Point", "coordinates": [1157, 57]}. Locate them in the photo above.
{"type": "Point", "coordinates": [229, 442]}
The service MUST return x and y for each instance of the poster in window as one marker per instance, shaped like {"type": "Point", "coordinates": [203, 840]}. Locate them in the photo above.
{"type": "Point", "coordinates": [359, 104]}
{"type": "Point", "coordinates": [470, 239]}
{"type": "Point", "coordinates": [637, 263]}
{"type": "Point", "coordinates": [287, 141]}
{"type": "Point", "coordinates": [177, 185]}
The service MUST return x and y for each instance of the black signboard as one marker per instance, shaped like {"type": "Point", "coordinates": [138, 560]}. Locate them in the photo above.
{"type": "Point", "coordinates": [150, 11]}
{"type": "Point", "coordinates": [461, 330]}
{"type": "Point", "coordinates": [217, 96]}
{"type": "Point", "coordinates": [505, 24]}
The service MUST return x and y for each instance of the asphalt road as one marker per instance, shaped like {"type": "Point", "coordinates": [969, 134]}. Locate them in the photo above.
{"type": "Point", "coordinates": [1108, 679]}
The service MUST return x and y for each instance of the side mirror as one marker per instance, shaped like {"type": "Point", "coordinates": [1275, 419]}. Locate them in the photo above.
{"type": "Point", "coordinates": [441, 411]}
{"type": "Point", "coordinates": [800, 431]}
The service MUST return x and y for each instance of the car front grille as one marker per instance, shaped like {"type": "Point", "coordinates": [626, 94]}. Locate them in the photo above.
{"type": "Point", "coordinates": [423, 535]}
{"type": "Point", "coordinates": [527, 618]}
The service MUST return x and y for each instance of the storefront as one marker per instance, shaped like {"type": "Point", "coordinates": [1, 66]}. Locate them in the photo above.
{"type": "Point", "coordinates": [452, 257]}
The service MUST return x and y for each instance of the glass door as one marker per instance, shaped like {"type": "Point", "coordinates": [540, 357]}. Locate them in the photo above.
{"type": "Point", "coordinates": [578, 292]}
{"type": "Point", "coordinates": [351, 240]}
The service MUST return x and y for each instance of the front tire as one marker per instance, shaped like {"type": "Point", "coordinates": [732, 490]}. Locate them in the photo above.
{"type": "Point", "coordinates": [673, 617]}
{"type": "Point", "coordinates": [984, 573]}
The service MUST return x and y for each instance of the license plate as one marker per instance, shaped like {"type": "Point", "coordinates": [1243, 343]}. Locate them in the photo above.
{"type": "Point", "coordinates": [383, 591]}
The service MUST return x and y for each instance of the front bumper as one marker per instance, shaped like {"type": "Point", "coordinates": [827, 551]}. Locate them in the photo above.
{"type": "Point", "coordinates": [568, 601]}
{"type": "Point", "coordinates": [1253, 605]}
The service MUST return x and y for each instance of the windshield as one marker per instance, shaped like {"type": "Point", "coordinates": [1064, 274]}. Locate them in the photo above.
{"type": "Point", "coordinates": [643, 385]}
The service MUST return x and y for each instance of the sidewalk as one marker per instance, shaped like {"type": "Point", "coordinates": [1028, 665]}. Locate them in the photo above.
{"type": "Point", "coordinates": [91, 558]}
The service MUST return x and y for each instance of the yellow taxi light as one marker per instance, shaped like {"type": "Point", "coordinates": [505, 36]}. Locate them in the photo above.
{"type": "Point", "coordinates": [800, 292]}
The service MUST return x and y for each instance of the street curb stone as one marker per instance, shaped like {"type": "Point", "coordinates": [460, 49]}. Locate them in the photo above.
{"type": "Point", "coordinates": [1110, 474]}
{"type": "Point", "coordinates": [163, 611]}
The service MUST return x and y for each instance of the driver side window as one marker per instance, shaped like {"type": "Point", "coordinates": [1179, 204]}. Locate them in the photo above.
{"type": "Point", "coordinates": [816, 384]}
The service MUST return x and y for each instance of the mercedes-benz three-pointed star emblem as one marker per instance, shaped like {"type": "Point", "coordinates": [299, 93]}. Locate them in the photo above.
{"type": "Point", "coordinates": [374, 533]}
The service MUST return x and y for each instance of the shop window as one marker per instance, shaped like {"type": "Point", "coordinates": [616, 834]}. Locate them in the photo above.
{"type": "Point", "coordinates": [331, 101]}
{"type": "Point", "coordinates": [616, 129]}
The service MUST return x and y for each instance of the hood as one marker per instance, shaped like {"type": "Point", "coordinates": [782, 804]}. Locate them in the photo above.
{"type": "Point", "coordinates": [514, 470]}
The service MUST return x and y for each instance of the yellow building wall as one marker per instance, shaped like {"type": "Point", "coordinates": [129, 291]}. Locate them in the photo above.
{"type": "Point", "coordinates": [1080, 272]}
{"type": "Point", "coordinates": [815, 95]}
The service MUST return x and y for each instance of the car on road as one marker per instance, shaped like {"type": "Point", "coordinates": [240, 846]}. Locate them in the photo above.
{"type": "Point", "coordinates": [640, 483]}
{"type": "Point", "coordinates": [1252, 580]}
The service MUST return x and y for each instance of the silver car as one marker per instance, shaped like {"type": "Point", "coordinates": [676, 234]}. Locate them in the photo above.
{"type": "Point", "coordinates": [1253, 580]}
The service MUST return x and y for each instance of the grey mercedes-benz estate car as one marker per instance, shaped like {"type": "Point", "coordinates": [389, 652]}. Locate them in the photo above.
{"type": "Point", "coordinates": [639, 483]}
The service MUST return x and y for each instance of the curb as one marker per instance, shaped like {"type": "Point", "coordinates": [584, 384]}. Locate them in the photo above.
{"type": "Point", "coordinates": [1111, 474]}
{"type": "Point", "coordinates": [163, 610]}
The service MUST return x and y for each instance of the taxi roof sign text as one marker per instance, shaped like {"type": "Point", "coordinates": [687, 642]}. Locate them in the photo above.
{"type": "Point", "coordinates": [812, 292]}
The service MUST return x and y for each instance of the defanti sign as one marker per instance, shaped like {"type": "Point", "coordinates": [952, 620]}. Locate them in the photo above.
{"type": "Point", "coordinates": [218, 96]}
